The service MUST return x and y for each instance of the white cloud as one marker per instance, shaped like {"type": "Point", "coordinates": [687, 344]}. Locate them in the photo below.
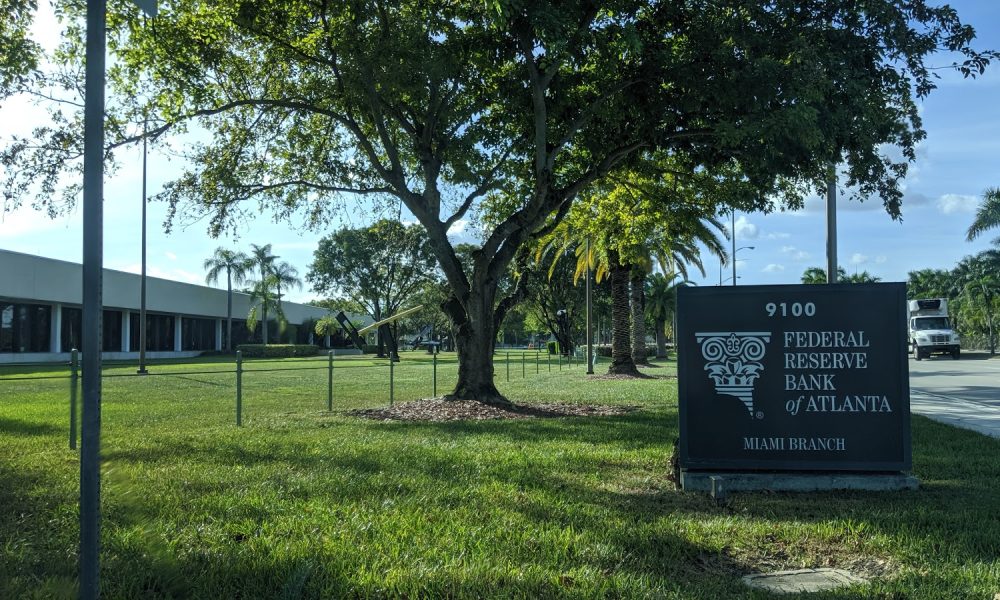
{"type": "Point", "coordinates": [458, 227]}
{"type": "Point", "coordinates": [171, 255]}
{"type": "Point", "coordinates": [795, 254]}
{"type": "Point", "coordinates": [773, 268]}
{"type": "Point", "coordinates": [745, 229]}
{"type": "Point", "coordinates": [858, 259]}
{"type": "Point", "coordinates": [777, 235]}
{"type": "Point", "coordinates": [954, 203]}
{"type": "Point", "coordinates": [880, 259]}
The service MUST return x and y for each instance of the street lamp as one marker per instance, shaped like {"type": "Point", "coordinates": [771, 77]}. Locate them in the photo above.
{"type": "Point", "coordinates": [734, 259]}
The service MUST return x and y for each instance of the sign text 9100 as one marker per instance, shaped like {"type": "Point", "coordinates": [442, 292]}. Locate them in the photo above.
{"type": "Point", "coordinates": [794, 309]}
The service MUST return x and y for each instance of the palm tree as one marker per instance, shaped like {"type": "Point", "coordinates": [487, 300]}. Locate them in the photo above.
{"type": "Point", "coordinates": [987, 215]}
{"type": "Point", "coordinates": [978, 278]}
{"type": "Point", "coordinates": [285, 275]}
{"type": "Point", "coordinates": [261, 259]}
{"type": "Point", "coordinates": [862, 277]}
{"type": "Point", "coordinates": [264, 298]}
{"type": "Point", "coordinates": [604, 261]}
{"type": "Point", "coordinates": [236, 265]}
{"type": "Point", "coordinates": [672, 245]}
{"type": "Point", "coordinates": [661, 303]}
{"type": "Point", "coordinates": [818, 275]}
{"type": "Point", "coordinates": [929, 283]}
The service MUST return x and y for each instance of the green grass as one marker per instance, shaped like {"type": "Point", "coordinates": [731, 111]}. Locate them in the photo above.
{"type": "Point", "coordinates": [301, 503]}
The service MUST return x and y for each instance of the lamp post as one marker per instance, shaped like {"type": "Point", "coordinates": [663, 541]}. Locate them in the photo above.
{"type": "Point", "coordinates": [142, 278]}
{"type": "Point", "coordinates": [735, 250]}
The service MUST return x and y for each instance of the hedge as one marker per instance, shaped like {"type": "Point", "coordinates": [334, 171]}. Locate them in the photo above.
{"type": "Point", "coordinates": [277, 350]}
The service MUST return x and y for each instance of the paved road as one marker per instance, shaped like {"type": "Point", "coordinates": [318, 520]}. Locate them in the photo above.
{"type": "Point", "coordinates": [964, 393]}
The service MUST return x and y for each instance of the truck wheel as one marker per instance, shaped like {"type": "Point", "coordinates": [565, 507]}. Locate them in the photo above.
{"type": "Point", "coordinates": [917, 353]}
{"type": "Point", "coordinates": [956, 354]}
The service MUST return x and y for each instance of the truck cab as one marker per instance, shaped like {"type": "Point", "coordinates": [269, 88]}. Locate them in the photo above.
{"type": "Point", "coordinates": [930, 330]}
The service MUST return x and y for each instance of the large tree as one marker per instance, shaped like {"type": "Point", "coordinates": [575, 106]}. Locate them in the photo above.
{"type": "Point", "coordinates": [380, 267]}
{"type": "Point", "coordinates": [18, 53]}
{"type": "Point", "coordinates": [438, 104]}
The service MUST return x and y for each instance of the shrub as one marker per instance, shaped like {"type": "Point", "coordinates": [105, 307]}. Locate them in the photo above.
{"type": "Point", "coordinates": [552, 346]}
{"type": "Point", "coordinates": [277, 350]}
{"type": "Point", "coordinates": [369, 349]}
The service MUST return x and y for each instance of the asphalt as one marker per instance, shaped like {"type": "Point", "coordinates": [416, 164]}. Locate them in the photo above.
{"type": "Point", "coordinates": [966, 414]}
{"type": "Point", "coordinates": [963, 393]}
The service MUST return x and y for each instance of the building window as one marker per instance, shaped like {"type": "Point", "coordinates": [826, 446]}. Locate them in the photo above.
{"type": "Point", "coordinates": [241, 335]}
{"type": "Point", "coordinates": [24, 327]}
{"type": "Point", "coordinates": [111, 335]}
{"type": "Point", "coordinates": [71, 334]}
{"type": "Point", "coordinates": [159, 332]}
{"type": "Point", "coordinates": [197, 334]}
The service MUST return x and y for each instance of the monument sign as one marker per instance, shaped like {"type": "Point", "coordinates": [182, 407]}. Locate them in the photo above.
{"type": "Point", "coordinates": [794, 378]}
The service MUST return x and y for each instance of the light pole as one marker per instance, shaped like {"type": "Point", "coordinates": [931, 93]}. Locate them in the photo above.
{"type": "Point", "coordinates": [142, 279]}
{"type": "Point", "coordinates": [735, 250]}
{"type": "Point", "coordinates": [590, 318]}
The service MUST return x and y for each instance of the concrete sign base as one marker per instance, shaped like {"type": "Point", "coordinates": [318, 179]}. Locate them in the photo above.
{"type": "Point", "coordinates": [726, 482]}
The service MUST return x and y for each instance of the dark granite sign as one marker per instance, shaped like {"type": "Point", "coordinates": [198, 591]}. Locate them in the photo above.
{"type": "Point", "coordinates": [794, 377]}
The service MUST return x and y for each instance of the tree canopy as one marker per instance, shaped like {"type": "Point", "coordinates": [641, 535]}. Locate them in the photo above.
{"type": "Point", "coordinates": [380, 267]}
{"type": "Point", "coordinates": [305, 105]}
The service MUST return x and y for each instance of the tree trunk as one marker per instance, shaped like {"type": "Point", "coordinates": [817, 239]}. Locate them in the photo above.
{"type": "Point", "coordinates": [661, 338]}
{"type": "Point", "coordinates": [229, 310]}
{"type": "Point", "coordinates": [638, 305]}
{"type": "Point", "coordinates": [475, 336]}
{"type": "Point", "coordinates": [263, 323]}
{"type": "Point", "coordinates": [621, 355]}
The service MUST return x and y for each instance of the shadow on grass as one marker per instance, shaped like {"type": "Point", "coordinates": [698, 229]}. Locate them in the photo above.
{"type": "Point", "coordinates": [605, 480]}
{"type": "Point", "coordinates": [16, 427]}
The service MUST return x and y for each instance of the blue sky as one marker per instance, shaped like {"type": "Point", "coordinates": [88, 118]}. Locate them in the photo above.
{"type": "Point", "coordinates": [957, 161]}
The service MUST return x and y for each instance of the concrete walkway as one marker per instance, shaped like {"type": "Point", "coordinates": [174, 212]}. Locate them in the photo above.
{"type": "Point", "coordinates": [978, 416]}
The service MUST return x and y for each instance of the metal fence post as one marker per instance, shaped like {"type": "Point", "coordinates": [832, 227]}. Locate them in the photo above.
{"type": "Point", "coordinates": [560, 359]}
{"type": "Point", "coordinates": [329, 382]}
{"type": "Point", "coordinates": [239, 388]}
{"type": "Point", "coordinates": [536, 362]}
{"type": "Point", "coordinates": [392, 382]}
{"type": "Point", "coordinates": [508, 366]}
{"type": "Point", "coordinates": [522, 365]}
{"type": "Point", "coordinates": [74, 378]}
{"type": "Point", "coordinates": [434, 360]}
{"type": "Point", "coordinates": [548, 359]}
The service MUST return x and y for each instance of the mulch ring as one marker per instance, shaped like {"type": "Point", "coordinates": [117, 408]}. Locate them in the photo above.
{"type": "Point", "coordinates": [439, 409]}
{"type": "Point", "coordinates": [620, 377]}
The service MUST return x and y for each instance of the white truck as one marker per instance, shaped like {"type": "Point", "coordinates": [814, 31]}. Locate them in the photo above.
{"type": "Point", "coordinates": [930, 329]}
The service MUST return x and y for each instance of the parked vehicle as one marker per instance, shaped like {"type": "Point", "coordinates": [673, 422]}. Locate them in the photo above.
{"type": "Point", "coordinates": [930, 329]}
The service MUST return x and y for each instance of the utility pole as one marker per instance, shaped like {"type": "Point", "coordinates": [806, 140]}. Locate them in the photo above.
{"type": "Point", "coordinates": [831, 226]}
{"type": "Point", "coordinates": [733, 257]}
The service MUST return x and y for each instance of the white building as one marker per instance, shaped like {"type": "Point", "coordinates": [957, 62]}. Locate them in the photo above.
{"type": "Point", "coordinates": [41, 310]}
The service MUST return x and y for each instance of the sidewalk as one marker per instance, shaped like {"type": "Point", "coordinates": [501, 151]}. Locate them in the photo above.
{"type": "Point", "coordinates": [967, 414]}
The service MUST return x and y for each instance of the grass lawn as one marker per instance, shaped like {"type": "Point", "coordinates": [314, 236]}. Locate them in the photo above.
{"type": "Point", "coordinates": [302, 503]}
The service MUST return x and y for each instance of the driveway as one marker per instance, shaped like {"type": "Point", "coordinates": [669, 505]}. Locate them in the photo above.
{"type": "Point", "coordinates": [964, 393]}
